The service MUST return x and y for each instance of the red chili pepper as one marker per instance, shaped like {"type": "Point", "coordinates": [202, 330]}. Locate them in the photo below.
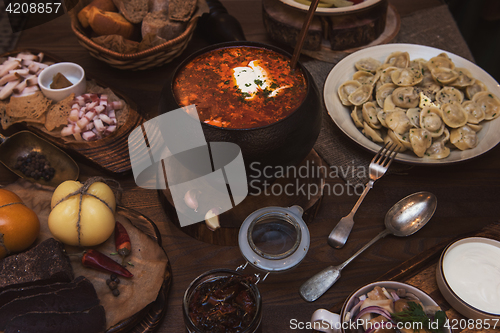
{"type": "Point", "coordinates": [122, 240]}
{"type": "Point", "coordinates": [95, 259]}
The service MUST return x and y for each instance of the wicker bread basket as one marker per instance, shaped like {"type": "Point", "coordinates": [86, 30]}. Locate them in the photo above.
{"type": "Point", "coordinates": [149, 58]}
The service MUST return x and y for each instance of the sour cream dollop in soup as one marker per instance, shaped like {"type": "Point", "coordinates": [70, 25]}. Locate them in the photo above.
{"type": "Point", "coordinates": [240, 87]}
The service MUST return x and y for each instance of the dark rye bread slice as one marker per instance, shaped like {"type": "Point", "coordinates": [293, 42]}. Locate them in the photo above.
{"type": "Point", "coordinates": [133, 10]}
{"type": "Point", "coordinates": [12, 293]}
{"type": "Point", "coordinates": [181, 10]}
{"type": "Point", "coordinates": [89, 321]}
{"type": "Point", "coordinates": [158, 24]}
{"type": "Point", "coordinates": [79, 298]}
{"type": "Point", "coordinates": [45, 263]}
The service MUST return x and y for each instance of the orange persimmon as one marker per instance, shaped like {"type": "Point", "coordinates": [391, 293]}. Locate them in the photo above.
{"type": "Point", "coordinates": [19, 225]}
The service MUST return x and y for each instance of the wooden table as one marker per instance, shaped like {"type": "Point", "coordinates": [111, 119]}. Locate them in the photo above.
{"type": "Point", "coordinates": [467, 195]}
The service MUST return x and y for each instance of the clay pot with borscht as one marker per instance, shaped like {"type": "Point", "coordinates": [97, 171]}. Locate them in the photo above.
{"type": "Point", "coordinates": [246, 93]}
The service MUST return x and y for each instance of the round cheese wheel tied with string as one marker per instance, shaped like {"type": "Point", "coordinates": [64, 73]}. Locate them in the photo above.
{"type": "Point", "coordinates": [82, 214]}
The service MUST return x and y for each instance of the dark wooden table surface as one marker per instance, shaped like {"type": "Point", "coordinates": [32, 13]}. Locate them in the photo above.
{"type": "Point", "coordinates": [468, 195]}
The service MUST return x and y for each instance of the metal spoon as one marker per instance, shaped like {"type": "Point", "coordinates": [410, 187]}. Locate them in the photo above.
{"type": "Point", "coordinates": [405, 218]}
{"type": "Point", "coordinates": [24, 142]}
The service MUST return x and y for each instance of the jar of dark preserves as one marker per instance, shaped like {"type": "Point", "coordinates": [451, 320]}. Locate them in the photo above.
{"type": "Point", "coordinates": [222, 301]}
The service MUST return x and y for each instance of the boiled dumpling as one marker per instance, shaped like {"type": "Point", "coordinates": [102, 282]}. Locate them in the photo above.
{"type": "Point", "coordinates": [413, 115]}
{"type": "Point", "coordinates": [453, 115]}
{"type": "Point", "coordinates": [369, 112]}
{"type": "Point", "coordinates": [382, 116]}
{"type": "Point", "coordinates": [364, 77]}
{"type": "Point", "coordinates": [478, 86]}
{"type": "Point", "coordinates": [385, 76]}
{"type": "Point", "coordinates": [361, 95]}
{"type": "Point", "coordinates": [346, 89]}
{"type": "Point", "coordinates": [357, 116]}
{"type": "Point", "coordinates": [398, 122]}
{"type": "Point", "coordinates": [405, 97]}
{"type": "Point", "coordinates": [438, 148]}
{"type": "Point", "coordinates": [400, 139]}
{"type": "Point", "coordinates": [406, 77]}
{"type": "Point", "coordinates": [444, 138]}
{"type": "Point", "coordinates": [449, 94]}
{"type": "Point", "coordinates": [367, 65]}
{"type": "Point", "coordinates": [476, 128]}
{"type": "Point", "coordinates": [489, 103]}
{"type": "Point", "coordinates": [372, 134]}
{"type": "Point", "coordinates": [391, 138]}
{"type": "Point", "coordinates": [440, 61]}
{"type": "Point", "coordinates": [384, 91]}
{"type": "Point", "coordinates": [430, 120]}
{"type": "Point", "coordinates": [464, 78]}
{"type": "Point", "coordinates": [419, 62]}
{"type": "Point", "coordinates": [398, 59]}
{"type": "Point", "coordinates": [420, 140]}
{"type": "Point", "coordinates": [474, 113]}
{"type": "Point", "coordinates": [444, 76]}
{"type": "Point", "coordinates": [437, 151]}
{"type": "Point", "coordinates": [463, 138]}
{"type": "Point", "coordinates": [389, 104]}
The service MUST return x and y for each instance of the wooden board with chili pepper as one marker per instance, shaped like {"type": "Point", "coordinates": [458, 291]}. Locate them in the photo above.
{"type": "Point", "coordinates": [141, 299]}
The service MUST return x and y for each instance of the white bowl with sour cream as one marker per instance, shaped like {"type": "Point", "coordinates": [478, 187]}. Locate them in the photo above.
{"type": "Point", "coordinates": [468, 276]}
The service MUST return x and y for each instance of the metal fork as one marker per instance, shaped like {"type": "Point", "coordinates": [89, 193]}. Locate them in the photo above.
{"type": "Point", "coordinates": [377, 168]}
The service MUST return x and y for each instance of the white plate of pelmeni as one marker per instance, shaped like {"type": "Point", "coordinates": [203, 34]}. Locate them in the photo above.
{"type": "Point", "coordinates": [439, 108]}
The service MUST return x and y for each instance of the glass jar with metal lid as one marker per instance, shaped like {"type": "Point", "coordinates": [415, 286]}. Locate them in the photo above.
{"type": "Point", "coordinates": [274, 239]}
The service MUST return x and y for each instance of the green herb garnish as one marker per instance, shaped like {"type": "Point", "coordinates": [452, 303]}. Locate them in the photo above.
{"type": "Point", "coordinates": [415, 314]}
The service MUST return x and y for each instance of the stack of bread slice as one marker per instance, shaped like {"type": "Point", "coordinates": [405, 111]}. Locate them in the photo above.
{"type": "Point", "coordinates": [38, 293]}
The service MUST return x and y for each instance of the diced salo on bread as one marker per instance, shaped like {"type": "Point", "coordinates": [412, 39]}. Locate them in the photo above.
{"type": "Point", "coordinates": [132, 10]}
{"type": "Point", "coordinates": [105, 5]}
{"type": "Point", "coordinates": [158, 24]}
{"type": "Point", "coordinates": [109, 23]}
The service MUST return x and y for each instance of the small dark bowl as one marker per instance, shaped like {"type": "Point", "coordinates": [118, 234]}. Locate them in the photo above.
{"type": "Point", "coordinates": [281, 144]}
